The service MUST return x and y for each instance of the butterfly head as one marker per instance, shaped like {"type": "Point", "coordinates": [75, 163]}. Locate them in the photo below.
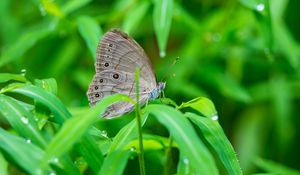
{"type": "Point", "coordinates": [156, 92]}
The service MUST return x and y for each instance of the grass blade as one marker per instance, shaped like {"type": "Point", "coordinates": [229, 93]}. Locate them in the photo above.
{"type": "Point", "coordinates": [29, 153]}
{"type": "Point", "coordinates": [91, 33]}
{"type": "Point", "coordinates": [3, 165]}
{"type": "Point", "coordinates": [4, 77]}
{"type": "Point", "coordinates": [21, 120]}
{"type": "Point", "coordinates": [162, 18]}
{"type": "Point", "coordinates": [75, 127]}
{"type": "Point", "coordinates": [183, 134]}
{"type": "Point", "coordinates": [215, 136]}
{"type": "Point", "coordinates": [48, 99]}
{"type": "Point", "coordinates": [115, 162]}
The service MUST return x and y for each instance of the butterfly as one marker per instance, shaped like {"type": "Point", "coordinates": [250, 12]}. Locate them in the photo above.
{"type": "Point", "coordinates": [118, 56]}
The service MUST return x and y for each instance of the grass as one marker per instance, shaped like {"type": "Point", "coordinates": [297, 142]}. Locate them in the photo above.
{"type": "Point", "coordinates": [232, 96]}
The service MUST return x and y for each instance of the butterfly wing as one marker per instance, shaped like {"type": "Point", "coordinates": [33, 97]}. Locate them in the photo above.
{"type": "Point", "coordinates": [118, 56]}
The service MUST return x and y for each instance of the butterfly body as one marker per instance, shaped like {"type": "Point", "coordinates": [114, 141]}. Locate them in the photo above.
{"type": "Point", "coordinates": [118, 56]}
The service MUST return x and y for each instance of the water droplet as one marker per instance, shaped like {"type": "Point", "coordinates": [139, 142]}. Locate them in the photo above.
{"type": "Point", "coordinates": [132, 149]}
{"type": "Point", "coordinates": [52, 173]}
{"type": "Point", "coordinates": [25, 120]}
{"type": "Point", "coordinates": [28, 141]}
{"type": "Point", "coordinates": [42, 10]}
{"type": "Point", "coordinates": [186, 161]}
{"type": "Point", "coordinates": [43, 84]}
{"type": "Point", "coordinates": [162, 54]}
{"type": "Point", "coordinates": [260, 7]}
{"type": "Point", "coordinates": [23, 72]}
{"type": "Point", "coordinates": [215, 117]}
{"type": "Point", "coordinates": [54, 160]}
{"type": "Point", "coordinates": [104, 134]}
{"type": "Point", "coordinates": [78, 162]}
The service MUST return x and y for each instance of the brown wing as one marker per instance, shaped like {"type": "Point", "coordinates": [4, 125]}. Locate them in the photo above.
{"type": "Point", "coordinates": [118, 56]}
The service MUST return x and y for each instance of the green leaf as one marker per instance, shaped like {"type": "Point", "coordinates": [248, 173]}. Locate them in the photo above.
{"type": "Point", "coordinates": [162, 18]}
{"type": "Point", "coordinates": [49, 85]}
{"type": "Point", "coordinates": [73, 5]}
{"type": "Point", "coordinates": [201, 104]}
{"type": "Point", "coordinates": [28, 158]}
{"type": "Point", "coordinates": [24, 43]}
{"type": "Point", "coordinates": [91, 153]}
{"type": "Point", "coordinates": [125, 135]}
{"type": "Point", "coordinates": [4, 77]}
{"type": "Point", "coordinates": [185, 136]}
{"type": "Point", "coordinates": [134, 16]}
{"type": "Point", "coordinates": [224, 84]}
{"type": "Point", "coordinates": [91, 33]}
{"type": "Point", "coordinates": [46, 98]}
{"type": "Point", "coordinates": [42, 113]}
{"type": "Point", "coordinates": [75, 127]}
{"type": "Point", "coordinates": [21, 120]}
{"type": "Point", "coordinates": [184, 167]}
{"type": "Point", "coordinates": [217, 139]}
{"type": "Point", "coordinates": [254, 4]}
{"type": "Point", "coordinates": [115, 162]}
{"type": "Point", "coordinates": [274, 167]}
{"type": "Point", "coordinates": [64, 57]}
{"type": "Point", "coordinates": [52, 8]}
{"type": "Point", "coordinates": [3, 165]}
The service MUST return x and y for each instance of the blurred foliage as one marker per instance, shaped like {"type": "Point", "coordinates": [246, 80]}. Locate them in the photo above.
{"type": "Point", "coordinates": [243, 55]}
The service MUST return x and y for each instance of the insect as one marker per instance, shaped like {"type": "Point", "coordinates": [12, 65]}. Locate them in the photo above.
{"type": "Point", "coordinates": [118, 56]}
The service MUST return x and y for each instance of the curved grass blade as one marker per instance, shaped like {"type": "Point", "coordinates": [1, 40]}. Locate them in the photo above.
{"type": "Point", "coordinates": [75, 127]}
{"type": "Point", "coordinates": [185, 167]}
{"type": "Point", "coordinates": [24, 43]}
{"type": "Point", "coordinates": [3, 165]}
{"type": "Point", "coordinates": [125, 135]}
{"type": "Point", "coordinates": [49, 84]}
{"type": "Point", "coordinates": [184, 135]}
{"type": "Point", "coordinates": [162, 18]}
{"type": "Point", "coordinates": [201, 104]}
{"type": "Point", "coordinates": [4, 77]}
{"type": "Point", "coordinates": [91, 153]}
{"type": "Point", "coordinates": [115, 162]}
{"type": "Point", "coordinates": [275, 168]}
{"type": "Point", "coordinates": [52, 8]}
{"type": "Point", "coordinates": [29, 153]}
{"type": "Point", "coordinates": [215, 136]}
{"type": "Point", "coordinates": [48, 99]}
{"type": "Point", "coordinates": [134, 16]}
{"type": "Point", "coordinates": [21, 120]}
{"type": "Point", "coordinates": [73, 5]}
{"type": "Point", "coordinates": [91, 32]}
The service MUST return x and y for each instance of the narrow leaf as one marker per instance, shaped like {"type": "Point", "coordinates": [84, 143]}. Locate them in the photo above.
{"type": "Point", "coordinates": [4, 77]}
{"type": "Point", "coordinates": [48, 99]}
{"type": "Point", "coordinates": [201, 104]}
{"type": "Point", "coordinates": [24, 43]}
{"type": "Point", "coordinates": [134, 16]}
{"type": "Point", "coordinates": [186, 138]}
{"type": "Point", "coordinates": [91, 33]}
{"type": "Point", "coordinates": [29, 153]}
{"type": "Point", "coordinates": [162, 18]}
{"type": "Point", "coordinates": [75, 127]}
{"type": "Point", "coordinates": [215, 136]}
{"type": "Point", "coordinates": [21, 120]}
{"type": "Point", "coordinates": [114, 163]}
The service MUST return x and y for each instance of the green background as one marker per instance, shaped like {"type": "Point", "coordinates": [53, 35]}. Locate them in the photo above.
{"type": "Point", "coordinates": [243, 55]}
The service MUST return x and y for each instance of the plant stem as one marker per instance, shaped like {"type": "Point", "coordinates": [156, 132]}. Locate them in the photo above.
{"type": "Point", "coordinates": [168, 155]}
{"type": "Point", "coordinates": [139, 124]}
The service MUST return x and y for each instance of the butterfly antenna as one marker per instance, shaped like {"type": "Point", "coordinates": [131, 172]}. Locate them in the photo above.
{"type": "Point", "coordinates": [168, 70]}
